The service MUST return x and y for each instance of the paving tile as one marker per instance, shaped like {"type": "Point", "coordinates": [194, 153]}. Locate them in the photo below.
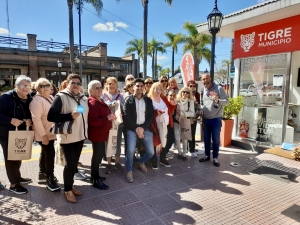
{"type": "Point", "coordinates": [170, 184]}
{"type": "Point", "coordinates": [145, 191]}
{"type": "Point", "coordinates": [119, 199]}
{"type": "Point", "coordinates": [156, 221]}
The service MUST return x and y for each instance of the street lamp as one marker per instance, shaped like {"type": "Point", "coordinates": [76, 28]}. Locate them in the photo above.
{"type": "Point", "coordinates": [59, 65]}
{"type": "Point", "coordinates": [214, 20]}
{"type": "Point", "coordinates": [79, 7]}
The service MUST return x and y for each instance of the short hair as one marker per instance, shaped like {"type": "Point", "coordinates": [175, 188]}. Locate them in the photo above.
{"type": "Point", "coordinates": [178, 97]}
{"type": "Point", "coordinates": [22, 78]}
{"type": "Point", "coordinates": [156, 85]}
{"type": "Point", "coordinates": [110, 79]}
{"type": "Point", "coordinates": [173, 79]}
{"type": "Point", "coordinates": [139, 80]}
{"type": "Point", "coordinates": [73, 76]}
{"type": "Point", "coordinates": [38, 82]}
{"type": "Point", "coordinates": [190, 82]}
{"type": "Point", "coordinates": [148, 80]}
{"type": "Point", "coordinates": [128, 76]}
{"type": "Point", "coordinates": [63, 85]}
{"type": "Point", "coordinates": [128, 85]}
{"type": "Point", "coordinates": [91, 85]}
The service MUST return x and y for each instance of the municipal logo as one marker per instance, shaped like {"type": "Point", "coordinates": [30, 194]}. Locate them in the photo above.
{"type": "Point", "coordinates": [247, 41]}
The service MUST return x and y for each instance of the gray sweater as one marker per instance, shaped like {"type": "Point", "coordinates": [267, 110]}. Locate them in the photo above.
{"type": "Point", "coordinates": [208, 107]}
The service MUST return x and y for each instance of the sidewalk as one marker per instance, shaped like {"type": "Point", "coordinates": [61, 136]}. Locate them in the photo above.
{"type": "Point", "coordinates": [186, 193]}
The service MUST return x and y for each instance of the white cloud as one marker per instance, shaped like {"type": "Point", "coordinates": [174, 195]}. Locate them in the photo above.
{"type": "Point", "coordinates": [260, 1]}
{"type": "Point", "coordinates": [109, 26]}
{"type": "Point", "coordinates": [161, 57]}
{"type": "Point", "coordinates": [21, 34]}
{"type": "Point", "coordinates": [3, 31]}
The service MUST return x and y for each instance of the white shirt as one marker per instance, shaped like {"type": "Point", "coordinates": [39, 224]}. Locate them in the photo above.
{"type": "Point", "coordinates": [140, 110]}
{"type": "Point", "coordinates": [161, 105]}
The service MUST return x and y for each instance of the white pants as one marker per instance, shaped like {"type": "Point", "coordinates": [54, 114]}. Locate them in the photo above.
{"type": "Point", "coordinates": [177, 140]}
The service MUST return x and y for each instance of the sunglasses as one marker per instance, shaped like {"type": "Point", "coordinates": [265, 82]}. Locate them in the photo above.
{"type": "Point", "coordinates": [130, 79]}
{"type": "Point", "coordinates": [44, 86]}
{"type": "Point", "coordinates": [148, 83]}
{"type": "Point", "coordinates": [192, 86]}
{"type": "Point", "coordinates": [186, 92]}
{"type": "Point", "coordinates": [164, 80]}
{"type": "Point", "coordinates": [24, 86]}
{"type": "Point", "coordinates": [75, 83]}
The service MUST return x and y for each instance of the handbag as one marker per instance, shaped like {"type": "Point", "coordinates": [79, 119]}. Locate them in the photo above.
{"type": "Point", "coordinates": [162, 130]}
{"type": "Point", "coordinates": [20, 144]}
{"type": "Point", "coordinates": [59, 155]}
{"type": "Point", "coordinates": [111, 146]}
{"type": "Point", "coordinates": [62, 127]}
{"type": "Point", "coordinates": [185, 129]}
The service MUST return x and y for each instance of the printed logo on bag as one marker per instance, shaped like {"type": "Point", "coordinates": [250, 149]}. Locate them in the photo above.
{"type": "Point", "coordinates": [20, 143]}
{"type": "Point", "coordinates": [184, 130]}
{"type": "Point", "coordinates": [114, 141]}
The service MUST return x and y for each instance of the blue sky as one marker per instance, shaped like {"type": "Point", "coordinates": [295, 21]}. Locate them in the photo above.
{"type": "Point", "coordinates": [119, 23]}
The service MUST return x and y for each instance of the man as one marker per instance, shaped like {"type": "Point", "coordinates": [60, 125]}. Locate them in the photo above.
{"type": "Point", "coordinates": [138, 116]}
{"type": "Point", "coordinates": [214, 99]}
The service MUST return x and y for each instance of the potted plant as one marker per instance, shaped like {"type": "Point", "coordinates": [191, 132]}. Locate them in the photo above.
{"type": "Point", "coordinates": [233, 108]}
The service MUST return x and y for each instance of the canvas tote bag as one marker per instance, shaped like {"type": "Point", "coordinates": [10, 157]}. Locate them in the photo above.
{"type": "Point", "coordinates": [185, 129]}
{"type": "Point", "coordinates": [20, 144]}
{"type": "Point", "coordinates": [111, 146]}
{"type": "Point", "coordinates": [118, 112]}
{"type": "Point", "coordinates": [162, 130]}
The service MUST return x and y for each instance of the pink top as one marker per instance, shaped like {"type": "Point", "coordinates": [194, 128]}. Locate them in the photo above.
{"type": "Point", "coordinates": [39, 108]}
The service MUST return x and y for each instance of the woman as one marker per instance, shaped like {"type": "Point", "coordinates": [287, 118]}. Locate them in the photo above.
{"type": "Point", "coordinates": [148, 84]}
{"type": "Point", "coordinates": [164, 81]}
{"type": "Point", "coordinates": [128, 90]}
{"type": "Point", "coordinates": [162, 108]}
{"type": "Point", "coordinates": [39, 108]}
{"type": "Point", "coordinates": [63, 85]}
{"type": "Point", "coordinates": [100, 119]}
{"type": "Point", "coordinates": [185, 109]}
{"type": "Point", "coordinates": [172, 85]}
{"type": "Point", "coordinates": [196, 97]}
{"type": "Point", "coordinates": [54, 90]}
{"type": "Point", "coordinates": [14, 112]}
{"type": "Point", "coordinates": [110, 97]}
{"type": "Point", "coordinates": [64, 109]}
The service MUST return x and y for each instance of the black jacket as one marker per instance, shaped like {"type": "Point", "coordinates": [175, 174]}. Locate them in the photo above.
{"type": "Point", "coordinates": [130, 113]}
{"type": "Point", "coordinates": [12, 107]}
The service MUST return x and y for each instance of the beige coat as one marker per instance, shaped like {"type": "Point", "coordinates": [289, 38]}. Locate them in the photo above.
{"type": "Point", "coordinates": [39, 108]}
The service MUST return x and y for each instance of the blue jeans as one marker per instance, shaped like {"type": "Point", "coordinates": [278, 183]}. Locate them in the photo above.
{"type": "Point", "coordinates": [131, 144]}
{"type": "Point", "coordinates": [212, 129]}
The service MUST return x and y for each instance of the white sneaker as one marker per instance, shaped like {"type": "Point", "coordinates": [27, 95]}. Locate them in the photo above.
{"type": "Point", "coordinates": [199, 151]}
{"type": "Point", "coordinates": [194, 155]}
{"type": "Point", "coordinates": [174, 147]}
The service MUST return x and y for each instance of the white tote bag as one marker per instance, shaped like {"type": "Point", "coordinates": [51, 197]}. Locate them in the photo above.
{"type": "Point", "coordinates": [111, 146]}
{"type": "Point", "coordinates": [162, 130]}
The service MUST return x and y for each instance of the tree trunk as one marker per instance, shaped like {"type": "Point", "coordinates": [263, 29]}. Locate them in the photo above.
{"type": "Point", "coordinates": [196, 64]}
{"type": "Point", "coordinates": [172, 73]}
{"type": "Point", "coordinates": [145, 41]}
{"type": "Point", "coordinates": [155, 64]}
{"type": "Point", "coordinates": [153, 73]}
{"type": "Point", "coordinates": [71, 35]}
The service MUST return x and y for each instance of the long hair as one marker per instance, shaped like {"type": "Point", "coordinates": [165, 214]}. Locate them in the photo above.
{"type": "Point", "coordinates": [111, 79]}
{"type": "Point", "coordinates": [156, 85]}
{"type": "Point", "coordinates": [178, 97]}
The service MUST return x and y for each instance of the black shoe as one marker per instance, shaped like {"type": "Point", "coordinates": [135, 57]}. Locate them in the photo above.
{"type": "Point", "coordinates": [42, 178]}
{"type": "Point", "coordinates": [179, 157]}
{"type": "Point", "coordinates": [2, 187]}
{"type": "Point", "coordinates": [154, 166]}
{"type": "Point", "coordinates": [164, 162]}
{"type": "Point", "coordinates": [102, 178]}
{"type": "Point", "coordinates": [216, 162]}
{"type": "Point", "coordinates": [204, 159]}
{"type": "Point", "coordinates": [100, 185]}
{"type": "Point", "coordinates": [25, 180]}
{"type": "Point", "coordinates": [184, 158]}
{"type": "Point", "coordinates": [18, 189]}
{"type": "Point", "coordinates": [52, 185]}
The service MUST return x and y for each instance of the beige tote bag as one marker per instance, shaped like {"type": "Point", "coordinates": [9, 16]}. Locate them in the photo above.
{"type": "Point", "coordinates": [111, 145]}
{"type": "Point", "coordinates": [185, 129]}
{"type": "Point", "coordinates": [20, 144]}
{"type": "Point", "coordinates": [162, 130]}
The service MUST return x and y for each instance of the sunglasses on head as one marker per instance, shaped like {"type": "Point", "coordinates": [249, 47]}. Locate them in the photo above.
{"type": "Point", "coordinates": [44, 86]}
{"type": "Point", "coordinates": [75, 83]}
{"type": "Point", "coordinates": [186, 92]}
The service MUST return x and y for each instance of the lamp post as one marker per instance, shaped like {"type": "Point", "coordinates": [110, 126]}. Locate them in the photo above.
{"type": "Point", "coordinates": [59, 65]}
{"type": "Point", "coordinates": [79, 7]}
{"type": "Point", "coordinates": [214, 20]}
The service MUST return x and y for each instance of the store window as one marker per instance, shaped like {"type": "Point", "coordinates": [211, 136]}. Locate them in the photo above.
{"type": "Point", "coordinates": [53, 76]}
{"type": "Point", "coordinates": [262, 87]}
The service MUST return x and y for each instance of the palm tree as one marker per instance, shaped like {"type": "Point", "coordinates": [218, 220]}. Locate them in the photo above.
{"type": "Point", "coordinates": [173, 41]}
{"type": "Point", "coordinates": [98, 5]}
{"type": "Point", "coordinates": [197, 44]}
{"type": "Point", "coordinates": [154, 47]}
{"type": "Point", "coordinates": [145, 31]}
{"type": "Point", "coordinates": [135, 46]}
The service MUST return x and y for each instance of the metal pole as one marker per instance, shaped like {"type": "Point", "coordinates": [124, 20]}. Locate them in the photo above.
{"type": "Point", "coordinates": [212, 59]}
{"type": "Point", "coordinates": [228, 73]}
{"type": "Point", "coordinates": [79, 16]}
{"type": "Point", "coordinates": [59, 78]}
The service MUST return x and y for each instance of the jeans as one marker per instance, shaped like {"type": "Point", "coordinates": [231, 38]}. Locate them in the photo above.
{"type": "Point", "coordinates": [131, 144]}
{"type": "Point", "coordinates": [12, 166]}
{"type": "Point", "coordinates": [119, 140]}
{"type": "Point", "coordinates": [125, 139]}
{"type": "Point", "coordinates": [98, 153]}
{"type": "Point", "coordinates": [47, 159]}
{"type": "Point", "coordinates": [212, 129]}
{"type": "Point", "coordinates": [72, 153]}
{"type": "Point", "coordinates": [192, 143]}
{"type": "Point", "coordinates": [177, 140]}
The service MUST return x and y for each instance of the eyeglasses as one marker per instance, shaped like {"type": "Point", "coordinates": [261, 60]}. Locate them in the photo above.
{"type": "Point", "coordinates": [130, 78]}
{"type": "Point", "coordinates": [75, 83]}
{"type": "Point", "coordinates": [44, 86]}
{"type": "Point", "coordinates": [164, 80]}
{"type": "Point", "coordinates": [24, 86]}
{"type": "Point", "coordinates": [186, 92]}
{"type": "Point", "coordinates": [98, 88]}
{"type": "Point", "coordinates": [148, 83]}
{"type": "Point", "coordinates": [191, 86]}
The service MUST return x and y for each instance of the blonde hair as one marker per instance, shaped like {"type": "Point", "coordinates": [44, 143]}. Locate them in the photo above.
{"type": "Point", "coordinates": [156, 85]}
{"type": "Point", "coordinates": [148, 80]}
{"type": "Point", "coordinates": [178, 96]}
{"type": "Point", "coordinates": [40, 81]}
{"type": "Point", "coordinates": [110, 79]}
{"type": "Point", "coordinates": [63, 85]}
{"type": "Point", "coordinates": [172, 79]}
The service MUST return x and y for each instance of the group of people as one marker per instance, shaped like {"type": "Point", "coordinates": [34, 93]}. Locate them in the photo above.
{"type": "Point", "coordinates": [64, 120]}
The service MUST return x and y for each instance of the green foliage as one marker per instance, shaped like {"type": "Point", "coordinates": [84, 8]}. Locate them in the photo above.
{"type": "Point", "coordinates": [233, 108]}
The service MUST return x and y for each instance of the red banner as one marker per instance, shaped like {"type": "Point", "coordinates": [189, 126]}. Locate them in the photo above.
{"type": "Point", "coordinates": [269, 38]}
{"type": "Point", "coordinates": [187, 68]}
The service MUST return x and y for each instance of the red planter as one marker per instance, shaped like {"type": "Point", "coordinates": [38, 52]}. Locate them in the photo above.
{"type": "Point", "coordinates": [226, 133]}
